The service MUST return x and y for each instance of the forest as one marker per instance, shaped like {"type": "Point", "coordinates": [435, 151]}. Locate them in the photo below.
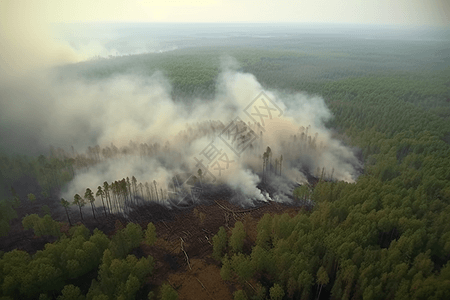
{"type": "Point", "coordinates": [384, 236]}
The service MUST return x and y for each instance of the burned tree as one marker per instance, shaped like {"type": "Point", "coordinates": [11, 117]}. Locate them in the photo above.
{"type": "Point", "coordinates": [66, 204]}
{"type": "Point", "coordinates": [89, 196]}
{"type": "Point", "coordinates": [101, 194]}
{"type": "Point", "coordinates": [77, 200]}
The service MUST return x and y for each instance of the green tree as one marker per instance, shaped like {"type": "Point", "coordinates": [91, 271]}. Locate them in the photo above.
{"type": "Point", "coordinates": [237, 237]}
{"type": "Point", "coordinates": [41, 297]}
{"type": "Point", "coordinates": [32, 222]}
{"type": "Point", "coordinates": [240, 295]}
{"type": "Point", "coordinates": [168, 293]}
{"type": "Point", "coordinates": [220, 241]}
{"type": "Point", "coordinates": [322, 279]}
{"type": "Point", "coordinates": [264, 228]}
{"type": "Point", "coordinates": [226, 270]}
{"type": "Point", "coordinates": [305, 281]}
{"type": "Point", "coordinates": [132, 285]}
{"type": "Point", "coordinates": [260, 259]}
{"type": "Point", "coordinates": [7, 213]}
{"type": "Point", "coordinates": [276, 292]}
{"type": "Point", "coordinates": [242, 266]}
{"type": "Point", "coordinates": [126, 239]}
{"type": "Point", "coordinates": [71, 292]}
{"type": "Point", "coordinates": [302, 193]}
{"type": "Point", "coordinates": [31, 197]}
{"type": "Point", "coordinates": [260, 293]}
{"type": "Point", "coordinates": [42, 226]}
{"type": "Point", "coordinates": [45, 209]}
{"type": "Point", "coordinates": [50, 226]}
{"type": "Point", "coordinates": [150, 234]}
{"type": "Point", "coordinates": [120, 278]}
{"type": "Point", "coordinates": [134, 233]}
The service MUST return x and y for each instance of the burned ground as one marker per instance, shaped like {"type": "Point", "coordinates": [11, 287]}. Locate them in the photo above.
{"type": "Point", "coordinates": [183, 248]}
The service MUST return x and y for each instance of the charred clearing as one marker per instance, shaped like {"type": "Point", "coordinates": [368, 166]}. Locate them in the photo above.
{"type": "Point", "coordinates": [142, 211]}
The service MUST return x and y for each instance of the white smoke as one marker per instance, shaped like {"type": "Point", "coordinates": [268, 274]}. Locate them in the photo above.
{"type": "Point", "coordinates": [52, 109]}
{"type": "Point", "coordinates": [129, 108]}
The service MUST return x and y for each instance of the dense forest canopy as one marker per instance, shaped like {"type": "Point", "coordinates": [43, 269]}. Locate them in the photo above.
{"type": "Point", "coordinates": [384, 235]}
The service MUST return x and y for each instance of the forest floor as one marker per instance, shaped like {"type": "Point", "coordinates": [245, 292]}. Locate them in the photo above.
{"type": "Point", "coordinates": [183, 249]}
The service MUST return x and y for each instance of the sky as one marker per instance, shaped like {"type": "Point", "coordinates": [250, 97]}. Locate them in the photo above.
{"type": "Point", "coordinates": [26, 40]}
{"type": "Point", "coordinates": [398, 12]}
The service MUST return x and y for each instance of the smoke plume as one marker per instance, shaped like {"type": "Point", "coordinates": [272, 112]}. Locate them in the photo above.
{"type": "Point", "coordinates": [140, 131]}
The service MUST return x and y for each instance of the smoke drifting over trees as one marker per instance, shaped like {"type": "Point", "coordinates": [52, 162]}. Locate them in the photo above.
{"type": "Point", "coordinates": [141, 131]}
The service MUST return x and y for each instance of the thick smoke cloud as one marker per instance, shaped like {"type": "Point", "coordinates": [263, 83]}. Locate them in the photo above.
{"type": "Point", "coordinates": [47, 108]}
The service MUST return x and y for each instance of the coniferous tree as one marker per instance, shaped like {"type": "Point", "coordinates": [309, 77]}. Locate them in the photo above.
{"type": "Point", "coordinates": [220, 241]}
{"type": "Point", "coordinates": [106, 190]}
{"type": "Point", "coordinates": [156, 190]}
{"type": "Point", "coordinates": [150, 234]}
{"type": "Point", "coordinates": [31, 197]}
{"type": "Point", "coordinates": [240, 295]}
{"type": "Point", "coordinates": [101, 194]}
{"type": "Point", "coordinates": [124, 192]}
{"type": "Point", "coordinates": [147, 189]}
{"type": "Point", "coordinates": [276, 292]}
{"type": "Point", "coordinates": [115, 193]}
{"type": "Point", "coordinates": [79, 201]}
{"type": "Point", "coordinates": [66, 204]}
{"type": "Point", "coordinates": [168, 293]}
{"type": "Point", "coordinates": [237, 237]}
{"type": "Point", "coordinates": [129, 192]}
{"type": "Point", "coordinates": [134, 182]}
{"type": "Point", "coordinates": [89, 196]}
{"type": "Point", "coordinates": [7, 213]}
{"type": "Point", "coordinates": [322, 279]}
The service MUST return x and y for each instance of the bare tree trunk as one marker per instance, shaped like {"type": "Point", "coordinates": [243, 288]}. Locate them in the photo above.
{"type": "Point", "coordinates": [67, 213]}
{"type": "Point", "coordinates": [81, 214]}
{"type": "Point", "coordinates": [104, 208]}
{"type": "Point", "coordinates": [110, 203]}
{"type": "Point", "coordinates": [320, 290]}
{"type": "Point", "coordinates": [93, 213]}
{"type": "Point", "coordinates": [156, 191]}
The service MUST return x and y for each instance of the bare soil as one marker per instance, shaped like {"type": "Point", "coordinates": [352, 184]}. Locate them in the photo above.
{"type": "Point", "coordinates": [193, 272]}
